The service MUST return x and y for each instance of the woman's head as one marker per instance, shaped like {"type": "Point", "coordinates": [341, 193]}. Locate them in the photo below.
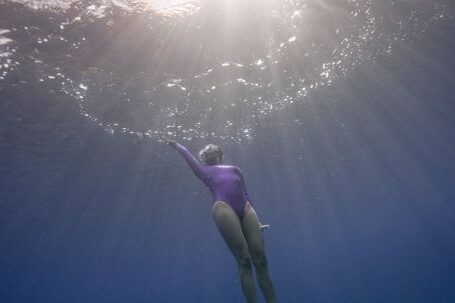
{"type": "Point", "coordinates": [211, 154]}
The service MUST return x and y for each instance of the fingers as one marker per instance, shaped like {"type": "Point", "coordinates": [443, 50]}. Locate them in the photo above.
{"type": "Point", "coordinates": [264, 226]}
{"type": "Point", "coordinates": [164, 137]}
{"type": "Point", "coordinates": [172, 143]}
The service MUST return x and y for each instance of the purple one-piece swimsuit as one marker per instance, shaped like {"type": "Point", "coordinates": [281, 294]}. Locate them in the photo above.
{"type": "Point", "coordinates": [224, 181]}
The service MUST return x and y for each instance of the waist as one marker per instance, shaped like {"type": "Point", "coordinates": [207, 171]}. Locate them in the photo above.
{"type": "Point", "coordinates": [229, 198]}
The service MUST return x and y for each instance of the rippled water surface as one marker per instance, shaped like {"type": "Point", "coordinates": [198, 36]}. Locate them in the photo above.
{"type": "Point", "coordinates": [340, 114]}
{"type": "Point", "coordinates": [199, 69]}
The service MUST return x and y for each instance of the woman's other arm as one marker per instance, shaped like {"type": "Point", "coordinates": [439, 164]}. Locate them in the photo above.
{"type": "Point", "coordinates": [247, 197]}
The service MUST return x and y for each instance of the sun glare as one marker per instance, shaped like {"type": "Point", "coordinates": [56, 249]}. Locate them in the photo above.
{"type": "Point", "coordinates": [174, 8]}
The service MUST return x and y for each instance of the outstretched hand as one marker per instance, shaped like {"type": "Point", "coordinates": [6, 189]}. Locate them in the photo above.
{"type": "Point", "coordinates": [170, 142]}
{"type": "Point", "coordinates": [163, 137]}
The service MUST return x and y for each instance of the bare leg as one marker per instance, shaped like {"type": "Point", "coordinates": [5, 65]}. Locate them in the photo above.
{"type": "Point", "coordinates": [230, 228]}
{"type": "Point", "coordinates": [253, 236]}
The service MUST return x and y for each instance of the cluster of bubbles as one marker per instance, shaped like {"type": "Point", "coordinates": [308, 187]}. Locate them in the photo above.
{"type": "Point", "coordinates": [234, 93]}
{"type": "Point", "coordinates": [100, 8]}
{"type": "Point", "coordinates": [7, 49]}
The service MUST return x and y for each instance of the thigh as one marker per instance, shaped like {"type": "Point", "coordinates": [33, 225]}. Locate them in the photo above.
{"type": "Point", "coordinates": [229, 225]}
{"type": "Point", "coordinates": [252, 232]}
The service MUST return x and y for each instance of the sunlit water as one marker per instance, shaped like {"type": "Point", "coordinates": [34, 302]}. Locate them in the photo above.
{"type": "Point", "coordinates": [199, 69]}
{"type": "Point", "coordinates": [347, 107]}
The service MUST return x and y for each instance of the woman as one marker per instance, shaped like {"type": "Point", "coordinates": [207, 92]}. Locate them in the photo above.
{"type": "Point", "coordinates": [234, 216]}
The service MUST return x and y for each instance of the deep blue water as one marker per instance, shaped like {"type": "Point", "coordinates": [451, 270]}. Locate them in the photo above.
{"type": "Point", "coordinates": [359, 192]}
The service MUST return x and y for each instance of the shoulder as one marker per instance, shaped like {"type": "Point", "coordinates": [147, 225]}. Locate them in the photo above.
{"type": "Point", "coordinates": [227, 167]}
{"type": "Point", "coordinates": [236, 169]}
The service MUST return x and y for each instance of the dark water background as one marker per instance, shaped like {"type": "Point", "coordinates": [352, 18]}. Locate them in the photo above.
{"type": "Point", "coordinates": [359, 193]}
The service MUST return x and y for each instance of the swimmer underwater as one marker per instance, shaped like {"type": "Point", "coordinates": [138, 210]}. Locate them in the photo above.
{"type": "Point", "coordinates": [235, 217]}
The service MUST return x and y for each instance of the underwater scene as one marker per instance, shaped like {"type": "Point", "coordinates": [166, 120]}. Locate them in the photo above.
{"type": "Point", "coordinates": [227, 151]}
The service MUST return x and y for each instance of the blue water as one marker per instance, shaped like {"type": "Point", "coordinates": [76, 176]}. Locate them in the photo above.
{"type": "Point", "coordinates": [356, 183]}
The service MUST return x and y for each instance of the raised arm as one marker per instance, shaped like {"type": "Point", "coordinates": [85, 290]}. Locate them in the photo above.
{"type": "Point", "coordinates": [197, 168]}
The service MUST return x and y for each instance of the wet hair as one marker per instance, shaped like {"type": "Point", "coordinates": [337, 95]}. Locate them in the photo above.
{"type": "Point", "coordinates": [210, 154]}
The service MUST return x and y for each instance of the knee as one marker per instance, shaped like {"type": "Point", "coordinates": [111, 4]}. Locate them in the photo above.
{"type": "Point", "coordinates": [259, 260]}
{"type": "Point", "coordinates": [244, 262]}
